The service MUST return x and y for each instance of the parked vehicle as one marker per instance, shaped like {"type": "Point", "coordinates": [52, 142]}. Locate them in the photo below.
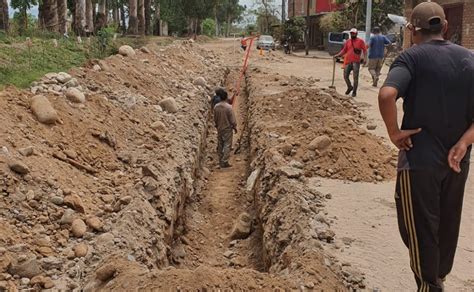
{"type": "Point", "coordinates": [336, 41]}
{"type": "Point", "coordinates": [265, 42]}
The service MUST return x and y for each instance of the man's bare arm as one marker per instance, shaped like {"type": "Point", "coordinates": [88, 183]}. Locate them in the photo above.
{"type": "Point", "coordinates": [457, 153]}
{"type": "Point", "coordinates": [388, 110]}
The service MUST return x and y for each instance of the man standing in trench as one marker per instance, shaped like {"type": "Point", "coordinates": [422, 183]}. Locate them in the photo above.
{"type": "Point", "coordinates": [436, 80]}
{"type": "Point", "coordinates": [225, 123]}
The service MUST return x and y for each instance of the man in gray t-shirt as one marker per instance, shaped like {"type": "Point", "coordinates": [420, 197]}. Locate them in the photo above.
{"type": "Point", "coordinates": [226, 124]}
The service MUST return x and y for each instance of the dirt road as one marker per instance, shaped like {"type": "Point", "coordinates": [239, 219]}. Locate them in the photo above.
{"type": "Point", "coordinates": [365, 213]}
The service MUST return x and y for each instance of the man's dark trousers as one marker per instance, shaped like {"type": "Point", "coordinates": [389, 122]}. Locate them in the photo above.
{"type": "Point", "coordinates": [429, 205]}
{"type": "Point", "coordinates": [347, 73]}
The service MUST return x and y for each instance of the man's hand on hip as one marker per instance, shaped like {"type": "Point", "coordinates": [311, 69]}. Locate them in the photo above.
{"type": "Point", "coordinates": [402, 138]}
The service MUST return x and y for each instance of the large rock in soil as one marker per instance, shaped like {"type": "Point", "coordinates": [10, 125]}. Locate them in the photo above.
{"type": "Point", "coordinates": [78, 228]}
{"type": "Point", "coordinates": [126, 51]}
{"type": "Point", "coordinates": [19, 167]}
{"type": "Point", "coordinates": [320, 143]}
{"type": "Point", "coordinates": [26, 269]}
{"type": "Point", "coordinates": [169, 105]}
{"type": "Point", "coordinates": [75, 95]}
{"type": "Point", "coordinates": [242, 227]}
{"type": "Point", "coordinates": [43, 110]}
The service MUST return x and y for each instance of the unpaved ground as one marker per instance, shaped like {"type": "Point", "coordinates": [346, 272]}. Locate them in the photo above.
{"type": "Point", "coordinates": [365, 212]}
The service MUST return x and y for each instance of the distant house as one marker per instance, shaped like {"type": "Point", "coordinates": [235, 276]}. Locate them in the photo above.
{"type": "Point", "coordinates": [460, 16]}
{"type": "Point", "coordinates": [317, 8]}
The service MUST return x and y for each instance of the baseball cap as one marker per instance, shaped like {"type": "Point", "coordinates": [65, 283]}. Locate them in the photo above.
{"type": "Point", "coordinates": [428, 15]}
{"type": "Point", "coordinates": [353, 30]}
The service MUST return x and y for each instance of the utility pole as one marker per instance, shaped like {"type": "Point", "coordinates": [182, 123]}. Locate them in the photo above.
{"type": "Point", "coordinates": [306, 33]}
{"type": "Point", "coordinates": [368, 21]}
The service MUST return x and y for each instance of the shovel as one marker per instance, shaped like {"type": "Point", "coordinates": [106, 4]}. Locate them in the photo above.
{"type": "Point", "coordinates": [333, 74]}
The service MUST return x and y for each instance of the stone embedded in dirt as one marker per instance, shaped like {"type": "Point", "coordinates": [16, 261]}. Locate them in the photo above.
{"type": "Point", "coordinates": [158, 126]}
{"type": "Point", "coordinates": [242, 227]}
{"type": "Point", "coordinates": [305, 124]}
{"type": "Point", "coordinates": [43, 110]}
{"type": "Point", "coordinates": [228, 254]}
{"type": "Point", "coordinates": [328, 196]}
{"type": "Point", "coordinates": [78, 228]}
{"type": "Point", "coordinates": [63, 77]}
{"type": "Point", "coordinates": [150, 170]}
{"type": "Point", "coordinates": [126, 51]}
{"type": "Point", "coordinates": [95, 223]}
{"type": "Point", "coordinates": [252, 179]}
{"type": "Point", "coordinates": [326, 235]}
{"type": "Point", "coordinates": [74, 201]}
{"type": "Point", "coordinates": [72, 83]}
{"type": "Point", "coordinates": [19, 167]}
{"type": "Point", "coordinates": [200, 81]}
{"type": "Point", "coordinates": [179, 252]}
{"type": "Point", "coordinates": [145, 50]}
{"type": "Point", "coordinates": [371, 127]}
{"type": "Point", "coordinates": [286, 149]}
{"type": "Point", "coordinates": [80, 250]}
{"type": "Point", "coordinates": [169, 105]}
{"type": "Point", "coordinates": [25, 269]}
{"type": "Point", "coordinates": [68, 217]}
{"type": "Point", "coordinates": [27, 151]}
{"type": "Point", "coordinates": [290, 172]}
{"type": "Point", "coordinates": [320, 143]}
{"type": "Point", "coordinates": [106, 272]}
{"type": "Point", "coordinates": [75, 95]}
{"type": "Point", "coordinates": [44, 282]}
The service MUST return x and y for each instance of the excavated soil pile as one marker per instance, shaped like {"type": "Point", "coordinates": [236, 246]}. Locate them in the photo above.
{"type": "Point", "coordinates": [317, 129]}
{"type": "Point", "coordinates": [300, 132]}
{"type": "Point", "coordinates": [97, 187]}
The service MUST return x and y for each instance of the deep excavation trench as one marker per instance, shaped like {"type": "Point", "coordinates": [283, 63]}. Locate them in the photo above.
{"type": "Point", "coordinates": [204, 236]}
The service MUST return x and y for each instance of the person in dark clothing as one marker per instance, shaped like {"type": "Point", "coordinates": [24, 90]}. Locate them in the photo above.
{"type": "Point", "coordinates": [435, 78]}
{"type": "Point", "coordinates": [226, 126]}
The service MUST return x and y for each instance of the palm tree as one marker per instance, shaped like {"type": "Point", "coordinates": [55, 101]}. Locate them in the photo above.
{"type": "Point", "coordinates": [80, 17]}
{"type": "Point", "coordinates": [141, 17]}
{"type": "Point", "coordinates": [132, 17]}
{"type": "Point", "coordinates": [89, 15]}
{"type": "Point", "coordinates": [4, 15]}
{"type": "Point", "coordinates": [62, 15]}
{"type": "Point", "coordinates": [48, 15]}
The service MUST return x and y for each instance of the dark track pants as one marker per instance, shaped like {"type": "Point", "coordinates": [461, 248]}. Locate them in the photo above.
{"type": "Point", "coordinates": [429, 205]}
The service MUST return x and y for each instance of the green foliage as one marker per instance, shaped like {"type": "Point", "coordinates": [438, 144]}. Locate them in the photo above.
{"type": "Point", "coordinates": [20, 26]}
{"type": "Point", "coordinates": [209, 27]}
{"type": "Point", "coordinates": [21, 64]}
{"type": "Point", "coordinates": [354, 14]}
{"type": "Point", "coordinates": [295, 28]}
{"type": "Point", "coordinates": [333, 22]}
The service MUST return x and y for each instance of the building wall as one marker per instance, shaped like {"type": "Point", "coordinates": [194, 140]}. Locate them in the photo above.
{"type": "Point", "coordinates": [467, 19]}
{"type": "Point", "coordinates": [316, 6]}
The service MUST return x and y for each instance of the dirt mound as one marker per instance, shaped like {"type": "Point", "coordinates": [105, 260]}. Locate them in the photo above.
{"type": "Point", "coordinates": [317, 130]}
{"type": "Point", "coordinates": [111, 175]}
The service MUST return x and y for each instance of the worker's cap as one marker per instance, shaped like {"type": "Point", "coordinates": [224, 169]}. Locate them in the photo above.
{"type": "Point", "coordinates": [353, 30]}
{"type": "Point", "coordinates": [427, 15]}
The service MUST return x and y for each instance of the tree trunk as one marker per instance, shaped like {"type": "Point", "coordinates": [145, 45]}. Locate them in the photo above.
{"type": "Point", "coordinates": [62, 16]}
{"type": "Point", "coordinates": [141, 17]}
{"type": "Point", "coordinates": [122, 18]}
{"type": "Point", "coordinates": [89, 16]}
{"type": "Point", "coordinates": [132, 17]}
{"type": "Point", "coordinates": [216, 20]}
{"type": "Point", "coordinates": [49, 15]}
{"type": "Point", "coordinates": [101, 20]}
{"type": "Point", "coordinates": [80, 17]}
{"type": "Point", "coordinates": [157, 20]}
{"type": "Point", "coordinates": [4, 18]}
{"type": "Point", "coordinates": [116, 15]}
{"type": "Point", "coordinates": [229, 24]}
{"type": "Point", "coordinates": [148, 28]}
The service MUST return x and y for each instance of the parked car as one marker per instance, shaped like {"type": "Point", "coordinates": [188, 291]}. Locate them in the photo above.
{"type": "Point", "coordinates": [336, 41]}
{"type": "Point", "coordinates": [265, 42]}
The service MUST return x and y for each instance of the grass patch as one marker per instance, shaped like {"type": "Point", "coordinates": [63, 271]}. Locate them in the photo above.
{"type": "Point", "coordinates": [21, 64]}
